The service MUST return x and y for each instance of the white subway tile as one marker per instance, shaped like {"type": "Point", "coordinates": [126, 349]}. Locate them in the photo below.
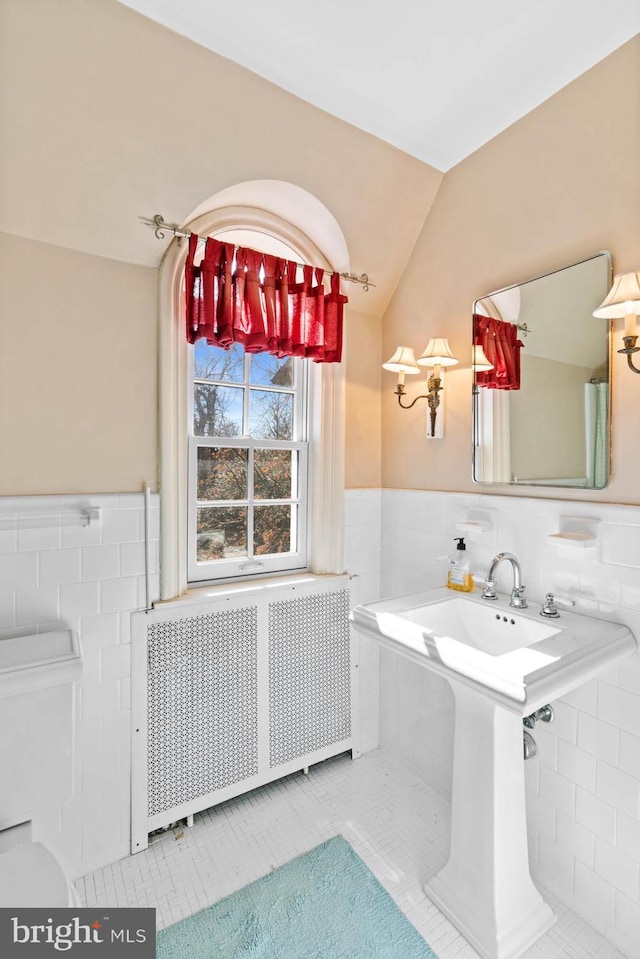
{"type": "Point", "coordinates": [620, 545]}
{"type": "Point", "coordinates": [619, 707]}
{"type": "Point", "coordinates": [19, 569]}
{"type": "Point", "coordinates": [541, 814]}
{"type": "Point", "coordinates": [583, 698]}
{"type": "Point", "coordinates": [125, 627]}
{"type": "Point", "coordinates": [618, 788]}
{"type": "Point", "coordinates": [120, 526]}
{"type": "Point", "coordinates": [36, 605]}
{"type": "Point", "coordinates": [116, 729]}
{"type": "Point", "coordinates": [629, 673]}
{"type": "Point", "coordinates": [628, 920]}
{"type": "Point", "coordinates": [556, 863]}
{"type": "Point", "coordinates": [598, 738]}
{"type": "Point", "coordinates": [8, 540]}
{"type": "Point", "coordinates": [596, 896]}
{"type": "Point", "coordinates": [100, 562]}
{"type": "Point", "coordinates": [116, 662]}
{"type": "Point", "coordinates": [616, 868]}
{"type": "Point", "coordinates": [100, 699]}
{"type": "Point", "coordinates": [565, 723]}
{"type": "Point", "coordinates": [630, 754]}
{"type": "Point", "coordinates": [81, 536]}
{"type": "Point", "coordinates": [132, 559]}
{"type": "Point", "coordinates": [118, 595]}
{"type": "Point", "coordinates": [577, 765]}
{"type": "Point", "coordinates": [628, 836]}
{"type": "Point", "coordinates": [78, 600]}
{"type": "Point", "coordinates": [47, 538]}
{"type": "Point", "coordinates": [100, 631]}
{"type": "Point", "coordinates": [557, 790]}
{"type": "Point", "coordinates": [7, 608]}
{"type": "Point", "coordinates": [575, 839]}
{"type": "Point", "coordinates": [59, 566]}
{"type": "Point", "coordinates": [596, 815]}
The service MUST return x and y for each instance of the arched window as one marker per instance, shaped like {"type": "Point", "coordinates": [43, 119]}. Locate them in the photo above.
{"type": "Point", "coordinates": [251, 474]}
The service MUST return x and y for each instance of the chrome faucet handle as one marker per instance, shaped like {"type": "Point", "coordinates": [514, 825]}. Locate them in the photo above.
{"type": "Point", "coordinates": [489, 591]}
{"type": "Point", "coordinates": [549, 609]}
{"type": "Point", "coordinates": [518, 599]}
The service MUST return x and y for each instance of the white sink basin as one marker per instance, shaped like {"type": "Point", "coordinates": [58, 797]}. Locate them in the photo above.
{"type": "Point", "coordinates": [502, 664]}
{"type": "Point", "coordinates": [515, 656]}
{"type": "Point", "coordinates": [479, 627]}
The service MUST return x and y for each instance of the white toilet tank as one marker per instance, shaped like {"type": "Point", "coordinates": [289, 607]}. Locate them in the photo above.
{"type": "Point", "coordinates": [31, 876]}
{"type": "Point", "coordinates": [37, 675]}
{"type": "Point", "coordinates": [36, 721]}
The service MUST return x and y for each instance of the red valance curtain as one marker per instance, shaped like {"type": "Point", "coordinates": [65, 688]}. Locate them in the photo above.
{"type": "Point", "coordinates": [502, 347]}
{"type": "Point", "coordinates": [237, 295]}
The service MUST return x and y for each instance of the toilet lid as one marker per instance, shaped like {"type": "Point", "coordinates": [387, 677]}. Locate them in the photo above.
{"type": "Point", "coordinates": [30, 876]}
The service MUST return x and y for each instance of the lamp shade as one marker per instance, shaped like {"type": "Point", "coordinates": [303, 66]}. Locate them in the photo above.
{"type": "Point", "coordinates": [402, 361]}
{"type": "Point", "coordinates": [479, 360]}
{"type": "Point", "coordinates": [623, 297]}
{"type": "Point", "coordinates": [437, 353]}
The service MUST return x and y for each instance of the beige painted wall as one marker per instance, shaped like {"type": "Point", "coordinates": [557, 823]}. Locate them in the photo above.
{"type": "Point", "coordinates": [363, 396]}
{"type": "Point", "coordinates": [551, 406]}
{"type": "Point", "coordinates": [562, 183]}
{"type": "Point", "coordinates": [78, 353]}
{"type": "Point", "coordinates": [107, 116]}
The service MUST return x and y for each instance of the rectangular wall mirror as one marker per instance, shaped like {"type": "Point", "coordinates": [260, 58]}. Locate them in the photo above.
{"type": "Point", "coordinates": [541, 391]}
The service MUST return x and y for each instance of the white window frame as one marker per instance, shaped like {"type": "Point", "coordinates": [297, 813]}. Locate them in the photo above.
{"type": "Point", "coordinates": [214, 570]}
{"type": "Point", "coordinates": [325, 415]}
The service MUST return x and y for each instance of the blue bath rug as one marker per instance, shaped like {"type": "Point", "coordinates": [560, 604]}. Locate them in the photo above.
{"type": "Point", "coordinates": [325, 904]}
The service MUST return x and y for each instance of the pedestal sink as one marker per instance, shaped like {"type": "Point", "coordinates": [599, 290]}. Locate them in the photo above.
{"type": "Point", "coordinates": [502, 665]}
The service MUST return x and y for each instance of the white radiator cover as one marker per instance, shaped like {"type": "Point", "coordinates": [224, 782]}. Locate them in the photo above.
{"type": "Point", "coordinates": [228, 694]}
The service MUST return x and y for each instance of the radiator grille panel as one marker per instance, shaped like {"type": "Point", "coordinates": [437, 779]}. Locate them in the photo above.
{"type": "Point", "coordinates": [202, 705]}
{"type": "Point", "coordinates": [309, 674]}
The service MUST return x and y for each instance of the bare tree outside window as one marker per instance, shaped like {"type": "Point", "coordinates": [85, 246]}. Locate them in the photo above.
{"type": "Point", "coordinates": [236, 396]}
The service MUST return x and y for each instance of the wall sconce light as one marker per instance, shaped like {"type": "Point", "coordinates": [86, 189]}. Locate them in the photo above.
{"type": "Point", "coordinates": [436, 355]}
{"type": "Point", "coordinates": [623, 299]}
{"type": "Point", "coordinates": [479, 360]}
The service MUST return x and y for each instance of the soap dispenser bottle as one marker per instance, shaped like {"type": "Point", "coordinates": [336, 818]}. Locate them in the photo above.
{"type": "Point", "coordinates": [459, 576]}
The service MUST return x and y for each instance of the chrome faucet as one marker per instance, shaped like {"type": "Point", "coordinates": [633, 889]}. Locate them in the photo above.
{"type": "Point", "coordinates": [518, 599]}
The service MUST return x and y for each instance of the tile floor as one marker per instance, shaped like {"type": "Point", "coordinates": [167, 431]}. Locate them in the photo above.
{"type": "Point", "coordinates": [395, 823]}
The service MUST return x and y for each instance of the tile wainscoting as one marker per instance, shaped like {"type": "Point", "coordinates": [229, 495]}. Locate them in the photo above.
{"type": "Point", "coordinates": [583, 787]}
{"type": "Point", "coordinates": [89, 579]}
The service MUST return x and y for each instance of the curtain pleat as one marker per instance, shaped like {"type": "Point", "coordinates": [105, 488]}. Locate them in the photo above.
{"type": "Point", "coordinates": [502, 347]}
{"type": "Point", "coordinates": [238, 295]}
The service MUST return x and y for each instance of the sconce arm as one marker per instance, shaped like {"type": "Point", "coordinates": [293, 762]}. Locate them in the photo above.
{"type": "Point", "coordinates": [629, 349]}
{"type": "Point", "coordinates": [400, 393]}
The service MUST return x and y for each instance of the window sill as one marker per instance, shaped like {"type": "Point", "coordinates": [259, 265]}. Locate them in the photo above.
{"type": "Point", "coordinates": [200, 594]}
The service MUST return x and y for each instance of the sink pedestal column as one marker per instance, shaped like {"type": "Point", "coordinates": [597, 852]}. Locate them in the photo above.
{"type": "Point", "coordinates": [485, 888]}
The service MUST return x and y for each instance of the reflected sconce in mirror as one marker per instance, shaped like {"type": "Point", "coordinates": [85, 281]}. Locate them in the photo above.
{"type": "Point", "coordinates": [623, 299]}
{"type": "Point", "coordinates": [479, 360]}
{"type": "Point", "coordinates": [436, 355]}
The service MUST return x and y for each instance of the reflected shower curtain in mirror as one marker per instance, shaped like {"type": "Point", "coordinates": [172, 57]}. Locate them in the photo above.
{"type": "Point", "coordinates": [597, 432]}
{"type": "Point", "coordinates": [238, 295]}
{"type": "Point", "coordinates": [502, 347]}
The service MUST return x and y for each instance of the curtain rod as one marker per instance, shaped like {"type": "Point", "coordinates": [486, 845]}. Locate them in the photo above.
{"type": "Point", "coordinates": [160, 227]}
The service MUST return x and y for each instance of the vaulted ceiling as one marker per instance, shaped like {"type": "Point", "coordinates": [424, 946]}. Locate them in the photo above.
{"type": "Point", "coordinates": [436, 80]}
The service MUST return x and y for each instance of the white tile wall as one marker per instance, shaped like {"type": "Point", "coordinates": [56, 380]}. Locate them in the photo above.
{"type": "Point", "coordinates": [362, 561]}
{"type": "Point", "coordinates": [89, 579]}
{"type": "Point", "coordinates": [583, 800]}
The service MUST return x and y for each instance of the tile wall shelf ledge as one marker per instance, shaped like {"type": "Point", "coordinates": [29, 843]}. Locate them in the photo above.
{"type": "Point", "coordinates": [479, 525]}
{"type": "Point", "coordinates": [83, 516]}
{"type": "Point", "coordinates": [576, 533]}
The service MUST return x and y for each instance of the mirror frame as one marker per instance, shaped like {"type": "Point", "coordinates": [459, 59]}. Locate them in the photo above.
{"type": "Point", "coordinates": [609, 368]}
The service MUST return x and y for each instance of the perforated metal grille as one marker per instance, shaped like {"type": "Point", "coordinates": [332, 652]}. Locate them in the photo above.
{"type": "Point", "coordinates": [309, 674]}
{"type": "Point", "coordinates": [202, 707]}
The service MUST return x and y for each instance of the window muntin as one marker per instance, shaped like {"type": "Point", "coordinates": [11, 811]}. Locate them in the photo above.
{"type": "Point", "coordinates": [248, 463]}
